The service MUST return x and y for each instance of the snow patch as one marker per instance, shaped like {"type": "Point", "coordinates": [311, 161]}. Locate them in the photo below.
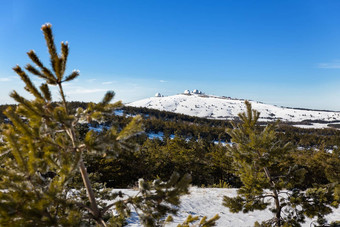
{"type": "Point", "coordinates": [208, 202]}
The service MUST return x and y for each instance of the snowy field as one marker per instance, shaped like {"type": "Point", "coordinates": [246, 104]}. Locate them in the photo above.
{"type": "Point", "coordinates": [208, 201]}
{"type": "Point", "coordinates": [313, 125]}
{"type": "Point", "coordinates": [213, 107]}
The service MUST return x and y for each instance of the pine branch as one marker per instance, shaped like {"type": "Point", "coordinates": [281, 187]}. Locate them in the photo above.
{"type": "Point", "coordinates": [34, 71]}
{"type": "Point", "coordinates": [29, 85]}
{"type": "Point", "coordinates": [55, 61]}
{"type": "Point", "coordinates": [48, 74]}
{"type": "Point", "coordinates": [64, 55]}
{"type": "Point", "coordinates": [46, 92]}
{"type": "Point", "coordinates": [107, 98]}
{"type": "Point", "coordinates": [131, 129]}
{"type": "Point", "coordinates": [72, 76]}
{"type": "Point", "coordinates": [24, 102]}
{"type": "Point", "coordinates": [15, 150]}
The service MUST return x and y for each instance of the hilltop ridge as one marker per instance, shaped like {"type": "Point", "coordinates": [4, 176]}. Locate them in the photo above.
{"type": "Point", "coordinates": [198, 104]}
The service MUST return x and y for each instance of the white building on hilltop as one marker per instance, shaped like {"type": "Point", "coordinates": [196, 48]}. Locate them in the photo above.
{"type": "Point", "coordinates": [187, 92]}
{"type": "Point", "coordinates": [158, 94]}
{"type": "Point", "coordinates": [196, 92]}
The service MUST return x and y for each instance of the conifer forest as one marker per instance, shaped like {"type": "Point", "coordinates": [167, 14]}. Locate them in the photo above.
{"type": "Point", "coordinates": [61, 160]}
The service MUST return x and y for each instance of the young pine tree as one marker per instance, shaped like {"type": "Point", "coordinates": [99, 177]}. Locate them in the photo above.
{"type": "Point", "coordinates": [270, 178]}
{"type": "Point", "coordinates": [41, 152]}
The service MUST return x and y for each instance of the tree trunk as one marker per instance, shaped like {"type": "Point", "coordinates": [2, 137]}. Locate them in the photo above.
{"type": "Point", "coordinates": [276, 197]}
{"type": "Point", "coordinates": [90, 194]}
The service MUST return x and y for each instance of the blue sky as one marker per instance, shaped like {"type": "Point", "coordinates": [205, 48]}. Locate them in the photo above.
{"type": "Point", "coordinates": [278, 52]}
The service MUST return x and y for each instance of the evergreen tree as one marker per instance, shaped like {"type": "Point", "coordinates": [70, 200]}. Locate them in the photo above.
{"type": "Point", "coordinates": [42, 151]}
{"type": "Point", "coordinates": [268, 175]}
{"type": "Point", "coordinates": [204, 222]}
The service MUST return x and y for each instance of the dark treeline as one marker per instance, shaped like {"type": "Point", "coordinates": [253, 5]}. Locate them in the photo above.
{"type": "Point", "coordinates": [195, 150]}
{"type": "Point", "coordinates": [307, 138]}
{"type": "Point", "coordinates": [210, 130]}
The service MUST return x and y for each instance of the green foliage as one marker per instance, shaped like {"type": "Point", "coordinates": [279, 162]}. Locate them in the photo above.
{"type": "Point", "coordinates": [221, 184]}
{"type": "Point", "coordinates": [204, 222]}
{"type": "Point", "coordinates": [206, 163]}
{"type": "Point", "coordinates": [125, 169]}
{"type": "Point", "coordinates": [270, 176]}
{"type": "Point", "coordinates": [42, 153]}
{"type": "Point", "coordinates": [322, 166]}
{"type": "Point", "coordinates": [153, 205]}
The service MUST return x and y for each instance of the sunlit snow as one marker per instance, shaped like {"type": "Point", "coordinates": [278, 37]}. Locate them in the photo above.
{"type": "Point", "coordinates": [208, 201]}
{"type": "Point", "coordinates": [213, 107]}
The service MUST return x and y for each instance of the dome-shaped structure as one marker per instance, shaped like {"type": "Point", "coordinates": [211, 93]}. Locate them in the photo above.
{"type": "Point", "coordinates": [196, 91]}
{"type": "Point", "coordinates": [158, 94]}
{"type": "Point", "coordinates": [187, 92]}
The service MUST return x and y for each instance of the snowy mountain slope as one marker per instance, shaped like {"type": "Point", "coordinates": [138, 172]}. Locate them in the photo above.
{"type": "Point", "coordinates": [214, 107]}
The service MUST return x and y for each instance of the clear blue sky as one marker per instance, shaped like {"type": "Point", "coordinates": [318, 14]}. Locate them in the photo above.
{"type": "Point", "coordinates": [279, 52]}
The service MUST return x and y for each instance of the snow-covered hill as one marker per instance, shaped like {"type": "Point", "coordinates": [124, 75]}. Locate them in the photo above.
{"type": "Point", "coordinates": [214, 107]}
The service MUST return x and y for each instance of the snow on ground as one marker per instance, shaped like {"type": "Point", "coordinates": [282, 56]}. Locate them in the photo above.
{"type": "Point", "coordinates": [158, 135]}
{"type": "Point", "coordinates": [98, 128]}
{"type": "Point", "coordinates": [313, 125]}
{"type": "Point", "coordinates": [119, 112]}
{"type": "Point", "coordinates": [223, 143]}
{"type": "Point", "coordinates": [208, 202]}
{"type": "Point", "coordinates": [226, 108]}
